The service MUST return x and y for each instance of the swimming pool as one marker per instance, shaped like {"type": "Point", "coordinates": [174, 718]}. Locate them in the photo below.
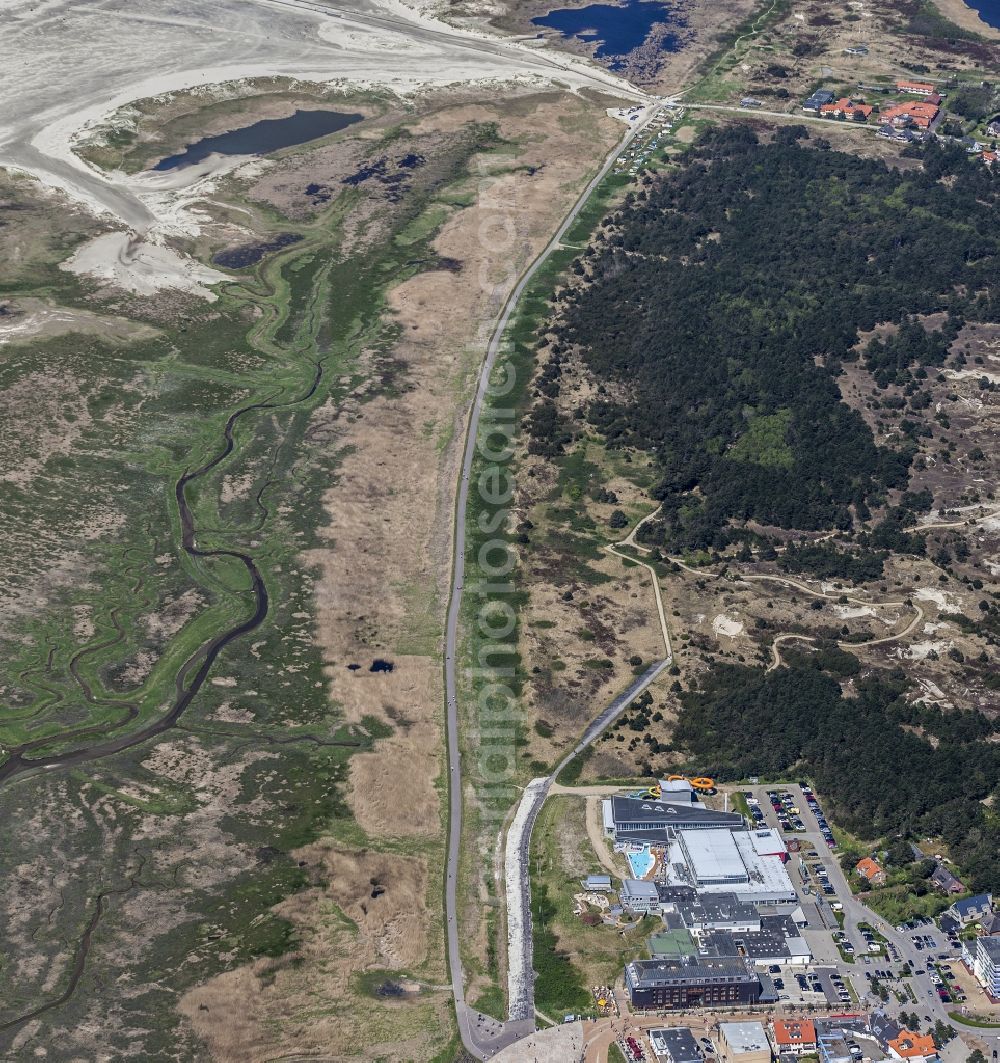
{"type": "Point", "coordinates": [641, 862]}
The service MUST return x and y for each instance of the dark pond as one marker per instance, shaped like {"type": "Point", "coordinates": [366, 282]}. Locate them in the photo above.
{"type": "Point", "coordinates": [261, 138]}
{"type": "Point", "coordinates": [619, 30]}
{"type": "Point", "coordinates": [251, 254]}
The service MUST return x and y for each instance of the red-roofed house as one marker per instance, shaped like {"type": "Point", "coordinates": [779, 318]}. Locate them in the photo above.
{"type": "Point", "coordinates": [919, 114]}
{"type": "Point", "coordinates": [845, 108]}
{"type": "Point", "coordinates": [794, 1035]}
{"type": "Point", "coordinates": [913, 1047]}
{"type": "Point", "coordinates": [915, 88]}
{"type": "Point", "coordinates": [871, 870]}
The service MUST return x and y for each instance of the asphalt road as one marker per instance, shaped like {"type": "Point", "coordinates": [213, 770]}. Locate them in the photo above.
{"type": "Point", "coordinates": [470, 1022]}
{"type": "Point", "coordinates": [855, 912]}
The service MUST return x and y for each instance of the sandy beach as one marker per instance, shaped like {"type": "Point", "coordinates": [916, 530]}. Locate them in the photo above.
{"type": "Point", "coordinates": [57, 84]}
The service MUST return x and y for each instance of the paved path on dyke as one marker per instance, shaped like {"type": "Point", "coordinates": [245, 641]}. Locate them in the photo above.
{"type": "Point", "coordinates": [481, 1035]}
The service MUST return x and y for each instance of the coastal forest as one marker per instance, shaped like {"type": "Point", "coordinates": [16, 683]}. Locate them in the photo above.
{"type": "Point", "coordinates": [888, 768]}
{"type": "Point", "coordinates": [722, 302]}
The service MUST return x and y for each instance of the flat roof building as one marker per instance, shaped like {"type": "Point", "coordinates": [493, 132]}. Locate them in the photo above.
{"type": "Point", "coordinates": [713, 858]}
{"type": "Point", "coordinates": [719, 911]}
{"type": "Point", "coordinates": [675, 1044]}
{"type": "Point", "coordinates": [638, 895]}
{"type": "Point", "coordinates": [672, 945]}
{"type": "Point", "coordinates": [722, 861]}
{"type": "Point", "coordinates": [767, 842]}
{"type": "Point", "coordinates": [703, 981]}
{"type": "Point", "coordinates": [744, 1042]}
{"type": "Point", "coordinates": [986, 965]}
{"type": "Point", "coordinates": [597, 883]}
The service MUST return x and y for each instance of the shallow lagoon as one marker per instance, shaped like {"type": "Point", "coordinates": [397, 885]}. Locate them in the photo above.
{"type": "Point", "coordinates": [261, 138]}
{"type": "Point", "coordinates": [619, 30]}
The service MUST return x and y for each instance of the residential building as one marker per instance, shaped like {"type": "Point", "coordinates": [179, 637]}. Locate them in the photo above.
{"type": "Point", "coordinates": [883, 1028]}
{"type": "Point", "coordinates": [857, 49]}
{"type": "Point", "coordinates": [919, 114]}
{"type": "Point", "coordinates": [945, 881]}
{"type": "Point", "coordinates": [913, 1047]}
{"type": "Point", "coordinates": [817, 99]}
{"type": "Point", "coordinates": [989, 925]}
{"type": "Point", "coordinates": [916, 88]}
{"type": "Point", "coordinates": [794, 1035]}
{"type": "Point", "coordinates": [855, 110]}
{"type": "Point", "coordinates": [676, 984]}
{"type": "Point", "coordinates": [972, 909]}
{"type": "Point", "coordinates": [871, 871]}
{"type": "Point", "coordinates": [675, 1044]}
{"type": "Point", "coordinates": [985, 953]}
{"type": "Point", "coordinates": [597, 883]}
{"type": "Point", "coordinates": [639, 896]}
{"type": "Point", "coordinates": [744, 1042]}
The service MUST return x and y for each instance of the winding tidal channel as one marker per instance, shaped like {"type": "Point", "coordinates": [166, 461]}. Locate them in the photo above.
{"type": "Point", "coordinates": [196, 668]}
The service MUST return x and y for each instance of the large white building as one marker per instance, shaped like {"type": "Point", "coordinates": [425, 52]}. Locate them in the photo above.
{"type": "Point", "coordinates": [727, 861]}
{"type": "Point", "coordinates": [982, 954]}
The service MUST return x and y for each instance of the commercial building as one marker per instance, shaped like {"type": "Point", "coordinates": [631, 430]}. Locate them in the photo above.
{"type": "Point", "coordinates": [744, 1042]}
{"type": "Point", "coordinates": [597, 883]}
{"type": "Point", "coordinates": [675, 1044]}
{"type": "Point", "coordinates": [834, 1048]}
{"type": "Point", "coordinates": [777, 941]}
{"type": "Point", "coordinates": [794, 1035]}
{"type": "Point", "coordinates": [725, 861]}
{"type": "Point", "coordinates": [638, 895]}
{"type": "Point", "coordinates": [718, 911]}
{"type": "Point", "coordinates": [628, 818]}
{"type": "Point", "coordinates": [672, 944]}
{"type": "Point", "coordinates": [676, 984]}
